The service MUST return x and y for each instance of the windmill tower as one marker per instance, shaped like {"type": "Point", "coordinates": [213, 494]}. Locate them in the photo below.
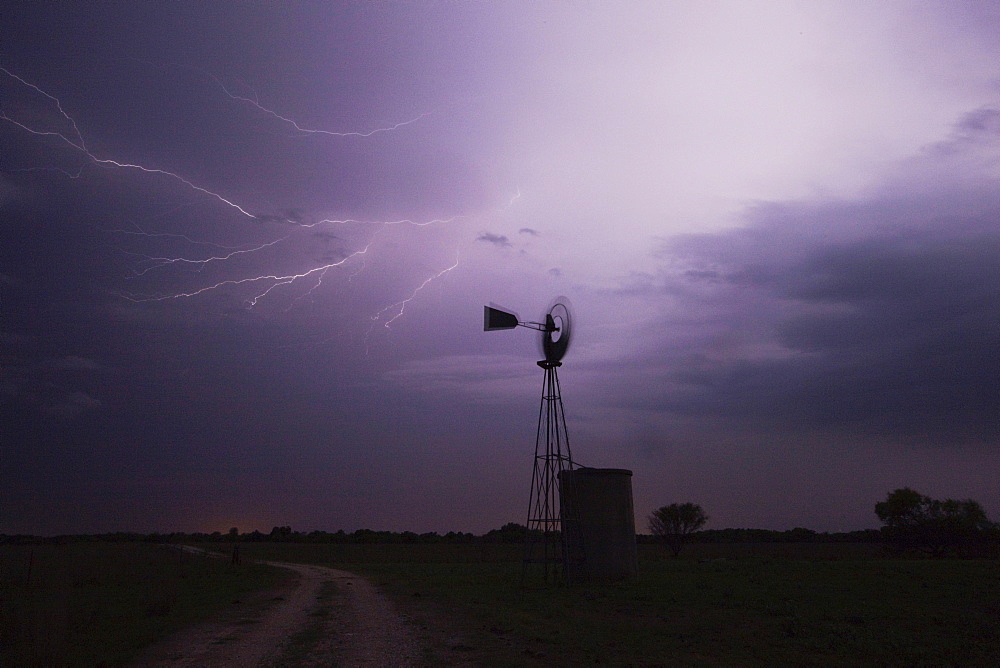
{"type": "Point", "coordinates": [546, 538]}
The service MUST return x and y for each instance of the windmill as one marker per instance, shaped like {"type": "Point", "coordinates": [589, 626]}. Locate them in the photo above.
{"type": "Point", "coordinates": [545, 543]}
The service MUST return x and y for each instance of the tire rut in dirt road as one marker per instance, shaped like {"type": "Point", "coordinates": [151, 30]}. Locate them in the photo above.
{"type": "Point", "coordinates": [371, 632]}
{"type": "Point", "coordinates": [323, 617]}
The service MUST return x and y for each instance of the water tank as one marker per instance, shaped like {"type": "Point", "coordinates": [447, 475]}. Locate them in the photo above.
{"type": "Point", "coordinates": [598, 524]}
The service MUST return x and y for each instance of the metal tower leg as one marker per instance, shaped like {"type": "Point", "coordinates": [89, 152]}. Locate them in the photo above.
{"type": "Point", "coordinates": [545, 540]}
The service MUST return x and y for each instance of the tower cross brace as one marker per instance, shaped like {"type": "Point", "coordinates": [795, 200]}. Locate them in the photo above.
{"type": "Point", "coordinates": [545, 540]}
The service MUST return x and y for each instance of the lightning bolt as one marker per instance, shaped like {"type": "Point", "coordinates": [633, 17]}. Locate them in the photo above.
{"type": "Point", "coordinates": [139, 232]}
{"type": "Point", "coordinates": [254, 102]}
{"type": "Point", "coordinates": [514, 198]}
{"type": "Point", "coordinates": [401, 305]}
{"type": "Point", "coordinates": [402, 221]}
{"type": "Point", "coordinates": [80, 142]}
{"type": "Point", "coordinates": [259, 285]}
{"type": "Point", "coordinates": [275, 280]}
{"type": "Point", "coordinates": [107, 162]}
{"type": "Point", "coordinates": [156, 262]}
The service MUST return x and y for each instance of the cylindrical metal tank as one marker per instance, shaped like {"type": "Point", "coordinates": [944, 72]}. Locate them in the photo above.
{"type": "Point", "coordinates": [598, 524]}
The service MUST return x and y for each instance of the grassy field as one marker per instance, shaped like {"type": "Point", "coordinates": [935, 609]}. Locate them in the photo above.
{"type": "Point", "coordinates": [89, 604]}
{"type": "Point", "coordinates": [773, 604]}
{"type": "Point", "coordinates": [746, 604]}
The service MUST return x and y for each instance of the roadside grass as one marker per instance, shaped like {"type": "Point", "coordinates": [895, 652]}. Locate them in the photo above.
{"type": "Point", "coordinates": [725, 604]}
{"type": "Point", "coordinates": [100, 603]}
{"type": "Point", "coordinates": [817, 604]}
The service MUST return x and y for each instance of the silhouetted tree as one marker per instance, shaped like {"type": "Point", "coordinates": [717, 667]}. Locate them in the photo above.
{"type": "Point", "coordinates": [913, 521]}
{"type": "Point", "coordinates": [280, 534]}
{"type": "Point", "coordinates": [512, 532]}
{"type": "Point", "coordinates": [674, 523]}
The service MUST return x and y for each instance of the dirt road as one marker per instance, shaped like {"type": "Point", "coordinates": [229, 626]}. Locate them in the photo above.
{"type": "Point", "coordinates": [323, 617]}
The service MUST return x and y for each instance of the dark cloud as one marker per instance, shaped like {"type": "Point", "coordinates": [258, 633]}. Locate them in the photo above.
{"type": "Point", "coordinates": [71, 363]}
{"type": "Point", "coordinates": [985, 120]}
{"type": "Point", "coordinates": [10, 281]}
{"type": "Point", "coordinates": [496, 239]}
{"type": "Point", "coordinates": [150, 332]}
{"type": "Point", "coordinates": [8, 190]}
{"type": "Point", "coordinates": [11, 339]}
{"type": "Point", "coordinates": [862, 316]}
{"type": "Point", "coordinates": [289, 217]}
{"type": "Point", "coordinates": [51, 393]}
{"type": "Point", "coordinates": [71, 405]}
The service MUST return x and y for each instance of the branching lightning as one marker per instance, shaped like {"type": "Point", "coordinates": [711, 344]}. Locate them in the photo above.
{"type": "Point", "coordinates": [138, 231]}
{"type": "Point", "coordinates": [223, 257]}
{"type": "Point", "coordinates": [81, 144]}
{"type": "Point", "coordinates": [108, 162]}
{"type": "Point", "coordinates": [400, 306]}
{"type": "Point", "coordinates": [402, 221]}
{"type": "Point", "coordinates": [275, 280]}
{"type": "Point", "coordinates": [254, 102]}
{"type": "Point", "coordinates": [156, 262]}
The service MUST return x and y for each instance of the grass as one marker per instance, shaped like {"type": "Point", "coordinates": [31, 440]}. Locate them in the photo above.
{"type": "Point", "coordinates": [717, 605]}
{"type": "Point", "coordinates": [778, 604]}
{"type": "Point", "coordinates": [100, 603]}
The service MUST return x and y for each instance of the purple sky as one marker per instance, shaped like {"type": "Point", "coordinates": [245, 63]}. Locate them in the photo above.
{"type": "Point", "coordinates": [244, 250]}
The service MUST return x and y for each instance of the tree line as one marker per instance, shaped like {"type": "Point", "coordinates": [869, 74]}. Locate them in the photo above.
{"type": "Point", "coordinates": [508, 533]}
{"type": "Point", "coordinates": [911, 523]}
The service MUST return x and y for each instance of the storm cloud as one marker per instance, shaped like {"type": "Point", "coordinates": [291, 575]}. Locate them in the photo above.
{"type": "Point", "coordinates": [877, 316]}
{"type": "Point", "coordinates": [499, 240]}
{"type": "Point", "coordinates": [244, 251]}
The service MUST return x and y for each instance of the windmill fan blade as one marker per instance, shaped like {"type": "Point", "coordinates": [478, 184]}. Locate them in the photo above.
{"type": "Point", "coordinates": [556, 338]}
{"type": "Point", "coordinates": [494, 318]}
